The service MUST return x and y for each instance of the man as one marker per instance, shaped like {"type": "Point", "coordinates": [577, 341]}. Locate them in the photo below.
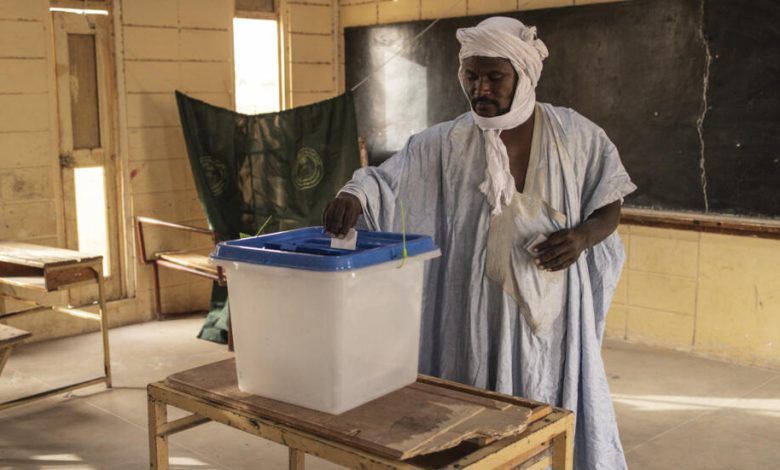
{"type": "Point", "coordinates": [523, 199]}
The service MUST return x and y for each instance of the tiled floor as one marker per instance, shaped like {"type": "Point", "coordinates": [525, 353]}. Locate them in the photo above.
{"type": "Point", "coordinates": [675, 411]}
{"type": "Point", "coordinates": [681, 412]}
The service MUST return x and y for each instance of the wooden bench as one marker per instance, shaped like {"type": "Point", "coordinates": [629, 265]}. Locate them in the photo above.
{"type": "Point", "coordinates": [190, 262]}
{"type": "Point", "coordinates": [28, 270]}
{"type": "Point", "coordinates": [432, 423]}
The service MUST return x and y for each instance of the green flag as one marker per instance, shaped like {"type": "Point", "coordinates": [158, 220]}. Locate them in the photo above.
{"type": "Point", "coordinates": [274, 170]}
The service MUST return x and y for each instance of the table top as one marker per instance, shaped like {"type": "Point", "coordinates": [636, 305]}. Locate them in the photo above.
{"type": "Point", "coordinates": [40, 256]}
{"type": "Point", "coordinates": [428, 416]}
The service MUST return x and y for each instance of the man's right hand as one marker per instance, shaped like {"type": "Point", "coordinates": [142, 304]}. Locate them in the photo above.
{"type": "Point", "coordinates": [341, 214]}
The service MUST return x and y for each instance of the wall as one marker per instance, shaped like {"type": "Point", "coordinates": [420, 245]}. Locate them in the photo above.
{"type": "Point", "coordinates": [718, 295]}
{"type": "Point", "coordinates": [30, 209]}
{"type": "Point", "coordinates": [170, 45]}
{"type": "Point", "coordinates": [365, 12]}
{"type": "Point", "coordinates": [309, 50]}
{"type": "Point", "coordinates": [715, 295]}
{"type": "Point", "coordinates": [160, 46]}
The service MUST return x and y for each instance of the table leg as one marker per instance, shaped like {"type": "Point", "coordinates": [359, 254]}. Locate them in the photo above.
{"type": "Point", "coordinates": [563, 447]}
{"type": "Point", "coordinates": [104, 324]}
{"type": "Point", "coordinates": [158, 445]}
{"type": "Point", "coordinates": [5, 353]}
{"type": "Point", "coordinates": [297, 459]}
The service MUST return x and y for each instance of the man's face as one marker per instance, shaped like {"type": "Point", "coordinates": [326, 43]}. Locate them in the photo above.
{"type": "Point", "coordinates": [490, 83]}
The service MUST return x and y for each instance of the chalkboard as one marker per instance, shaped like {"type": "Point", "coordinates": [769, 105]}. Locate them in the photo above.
{"type": "Point", "coordinates": [687, 89]}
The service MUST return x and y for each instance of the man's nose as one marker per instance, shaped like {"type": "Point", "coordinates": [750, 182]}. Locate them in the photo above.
{"type": "Point", "coordinates": [483, 87]}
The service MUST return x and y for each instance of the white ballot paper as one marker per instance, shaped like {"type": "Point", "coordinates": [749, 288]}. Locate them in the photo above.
{"type": "Point", "coordinates": [532, 244]}
{"type": "Point", "coordinates": [349, 242]}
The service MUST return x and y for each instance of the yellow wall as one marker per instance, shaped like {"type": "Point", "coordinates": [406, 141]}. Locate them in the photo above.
{"type": "Point", "coordinates": [717, 295]}
{"type": "Point", "coordinates": [29, 172]}
{"type": "Point", "coordinates": [161, 45]}
{"type": "Point", "coordinates": [31, 207]}
{"type": "Point", "coordinates": [170, 45]}
{"type": "Point", "coordinates": [365, 12]}
{"type": "Point", "coordinates": [309, 50]}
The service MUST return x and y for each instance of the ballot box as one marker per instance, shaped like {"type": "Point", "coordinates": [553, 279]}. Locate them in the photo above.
{"type": "Point", "coordinates": [320, 327]}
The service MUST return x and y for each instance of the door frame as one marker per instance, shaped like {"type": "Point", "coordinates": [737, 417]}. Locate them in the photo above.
{"type": "Point", "coordinates": [100, 26]}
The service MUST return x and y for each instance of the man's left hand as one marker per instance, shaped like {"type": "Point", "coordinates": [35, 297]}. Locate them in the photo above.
{"type": "Point", "coordinates": [560, 250]}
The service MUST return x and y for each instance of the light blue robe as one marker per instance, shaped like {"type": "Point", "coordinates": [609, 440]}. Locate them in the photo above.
{"type": "Point", "coordinates": [472, 330]}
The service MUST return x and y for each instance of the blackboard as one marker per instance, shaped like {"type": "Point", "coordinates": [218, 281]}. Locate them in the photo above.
{"type": "Point", "coordinates": [687, 89]}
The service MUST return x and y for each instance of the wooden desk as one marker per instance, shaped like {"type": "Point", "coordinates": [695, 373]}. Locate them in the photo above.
{"type": "Point", "coordinates": [432, 423]}
{"type": "Point", "coordinates": [29, 269]}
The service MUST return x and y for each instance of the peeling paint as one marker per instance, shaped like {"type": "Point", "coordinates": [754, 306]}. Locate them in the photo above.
{"type": "Point", "coordinates": [757, 303]}
{"type": "Point", "coordinates": [19, 185]}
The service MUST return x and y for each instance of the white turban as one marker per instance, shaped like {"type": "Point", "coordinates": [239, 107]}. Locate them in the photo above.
{"type": "Point", "coordinates": [510, 39]}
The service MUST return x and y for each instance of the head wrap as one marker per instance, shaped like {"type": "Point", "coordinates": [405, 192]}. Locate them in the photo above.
{"type": "Point", "coordinates": [510, 39]}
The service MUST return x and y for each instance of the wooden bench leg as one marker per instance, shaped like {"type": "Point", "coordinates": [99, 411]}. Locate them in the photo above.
{"type": "Point", "coordinates": [297, 459]}
{"type": "Point", "coordinates": [158, 444]}
{"type": "Point", "coordinates": [563, 447]}
{"type": "Point", "coordinates": [156, 291]}
{"type": "Point", "coordinates": [5, 353]}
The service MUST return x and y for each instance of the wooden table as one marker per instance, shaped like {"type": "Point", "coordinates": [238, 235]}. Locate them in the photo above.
{"type": "Point", "coordinates": [432, 423]}
{"type": "Point", "coordinates": [27, 269]}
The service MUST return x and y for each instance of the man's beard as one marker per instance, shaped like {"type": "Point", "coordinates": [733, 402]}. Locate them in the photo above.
{"type": "Point", "coordinates": [501, 111]}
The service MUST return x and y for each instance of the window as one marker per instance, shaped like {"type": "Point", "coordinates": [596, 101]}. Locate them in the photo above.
{"type": "Point", "coordinates": [85, 114]}
{"type": "Point", "coordinates": [256, 49]}
{"type": "Point", "coordinates": [91, 220]}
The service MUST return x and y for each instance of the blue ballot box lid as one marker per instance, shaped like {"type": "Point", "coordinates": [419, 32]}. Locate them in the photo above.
{"type": "Point", "coordinates": [309, 249]}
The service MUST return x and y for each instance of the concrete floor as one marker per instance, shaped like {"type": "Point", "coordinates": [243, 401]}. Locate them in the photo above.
{"type": "Point", "coordinates": [675, 411]}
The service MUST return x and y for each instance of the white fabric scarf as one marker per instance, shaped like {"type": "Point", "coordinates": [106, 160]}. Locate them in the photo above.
{"type": "Point", "coordinates": [510, 39]}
